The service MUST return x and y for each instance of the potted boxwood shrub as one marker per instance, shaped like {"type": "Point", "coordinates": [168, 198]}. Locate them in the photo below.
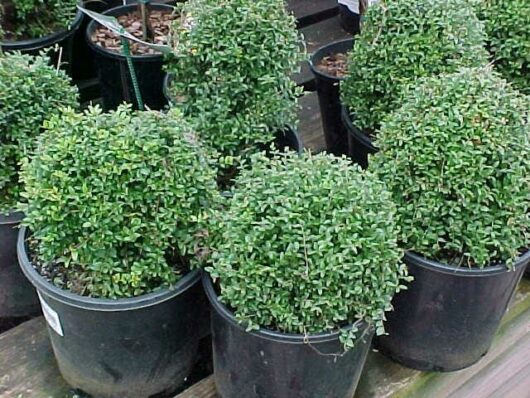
{"type": "Point", "coordinates": [30, 26]}
{"type": "Point", "coordinates": [304, 261]}
{"type": "Point", "coordinates": [114, 202]}
{"type": "Point", "coordinates": [30, 92]}
{"type": "Point", "coordinates": [455, 157]}
{"type": "Point", "coordinates": [506, 23]}
{"type": "Point", "coordinates": [151, 24]}
{"type": "Point", "coordinates": [401, 41]}
{"type": "Point", "coordinates": [231, 71]}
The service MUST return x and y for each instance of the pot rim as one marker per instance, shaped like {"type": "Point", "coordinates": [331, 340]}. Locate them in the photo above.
{"type": "Point", "coordinates": [327, 49]}
{"type": "Point", "coordinates": [44, 41]}
{"type": "Point", "coordinates": [268, 334]}
{"type": "Point", "coordinates": [98, 304]}
{"type": "Point", "coordinates": [111, 54]}
{"type": "Point", "coordinates": [11, 218]}
{"type": "Point", "coordinates": [355, 131]}
{"type": "Point", "coordinates": [435, 266]}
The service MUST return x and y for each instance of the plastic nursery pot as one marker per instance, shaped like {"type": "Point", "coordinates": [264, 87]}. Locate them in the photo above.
{"type": "Point", "coordinates": [349, 21]}
{"type": "Point", "coordinates": [17, 296]}
{"type": "Point", "coordinates": [360, 145]}
{"type": "Point", "coordinates": [64, 40]}
{"type": "Point", "coordinates": [447, 318]}
{"type": "Point", "coordinates": [268, 364]}
{"type": "Point", "coordinates": [113, 73]}
{"type": "Point", "coordinates": [84, 67]}
{"type": "Point", "coordinates": [328, 89]}
{"type": "Point", "coordinates": [132, 347]}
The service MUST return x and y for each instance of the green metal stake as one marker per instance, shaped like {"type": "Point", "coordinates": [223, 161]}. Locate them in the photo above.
{"type": "Point", "coordinates": [127, 52]}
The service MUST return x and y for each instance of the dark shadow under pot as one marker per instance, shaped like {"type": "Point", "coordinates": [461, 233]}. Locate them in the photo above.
{"type": "Point", "coordinates": [64, 40]}
{"type": "Point", "coordinates": [360, 144]}
{"type": "Point", "coordinates": [328, 89]}
{"type": "Point", "coordinates": [447, 318]}
{"type": "Point", "coordinates": [113, 73]}
{"type": "Point", "coordinates": [269, 364]}
{"type": "Point", "coordinates": [132, 347]}
{"type": "Point", "coordinates": [18, 298]}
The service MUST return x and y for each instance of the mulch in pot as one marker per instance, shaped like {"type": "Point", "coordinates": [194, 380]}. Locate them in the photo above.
{"type": "Point", "coordinates": [334, 65]}
{"type": "Point", "coordinates": [160, 22]}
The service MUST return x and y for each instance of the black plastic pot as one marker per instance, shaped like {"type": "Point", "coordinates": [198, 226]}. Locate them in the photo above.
{"type": "Point", "coordinates": [134, 347]}
{"type": "Point", "coordinates": [17, 296]}
{"type": "Point", "coordinates": [360, 145]}
{"type": "Point", "coordinates": [447, 318]}
{"type": "Point", "coordinates": [268, 364]}
{"type": "Point", "coordinates": [328, 89]}
{"type": "Point", "coordinates": [114, 75]}
{"type": "Point", "coordinates": [84, 67]}
{"type": "Point", "coordinates": [349, 21]}
{"type": "Point", "coordinates": [64, 39]}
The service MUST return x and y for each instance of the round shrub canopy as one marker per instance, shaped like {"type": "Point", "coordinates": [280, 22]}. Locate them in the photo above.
{"type": "Point", "coordinates": [113, 200]}
{"type": "Point", "coordinates": [455, 157]}
{"type": "Point", "coordinates": [508, 27]}
{"type": "Point", "coordinates": [30, 92]}
{"type": "Point", "coordinates": [401, 41]}
{"type": "Point", "coordinates": [231, 70]}
{"type": "Point", "coordinates": [307, 245]}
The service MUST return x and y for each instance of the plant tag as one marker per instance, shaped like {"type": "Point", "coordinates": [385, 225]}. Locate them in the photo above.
{"type": "Point", "coordinates": [51, 317]}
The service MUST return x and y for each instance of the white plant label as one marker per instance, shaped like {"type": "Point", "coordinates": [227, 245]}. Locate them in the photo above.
{"type": "Point", "coordinates": [51, 317]}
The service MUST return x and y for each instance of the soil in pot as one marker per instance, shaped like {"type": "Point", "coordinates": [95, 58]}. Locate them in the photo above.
{"type": "Point", "coordinates": [269, 364]}
{"type": "Point", "coordinates": [329, 66]}
{"type": "Point", "coordinates": [58, 44]}
{"type": "Point", "coordinates": [18, 299]}
{"type": "Point", "coordinates": [447, 318]}
{"type": "Point", "coordinates": [360, 143]}
{"type": "Point", "coordinates": [334, 65]}
{"type": "Point", "coordinates": [111, 65]}
{"type": "Point", "coordinates": [132, 347]}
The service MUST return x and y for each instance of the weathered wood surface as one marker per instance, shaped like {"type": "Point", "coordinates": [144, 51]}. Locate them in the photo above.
{"type": "Point", "coordinates": [310, 126]}
{"type": "Point", "coordinates": [308, 12]}
{"type": "Point", "coordinates": [28, 369]}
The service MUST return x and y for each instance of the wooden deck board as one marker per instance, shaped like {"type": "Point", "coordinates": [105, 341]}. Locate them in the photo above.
{"type": "Point", "coordinates": [310, 127]}
{"type": "Point", "coordinates": [308, 12]}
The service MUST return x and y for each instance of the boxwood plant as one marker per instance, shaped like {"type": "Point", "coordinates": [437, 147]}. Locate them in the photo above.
{"type": "Point", "coordinates": [307, 245]}
{"type": "Point", "coordinates": [30, 92]}
{"type": "Point", "coordinates": [401, 41]}
{"type": "Point", "coordinates": [455, 157]}
{"type": "Point", "coordinates": [507, 25]}
{"type": "Point", "coordinates": [114, 200]}
{"type": "Point", "coordinates": [23, 19]}
{"type": "Point", "coordinates": [231, 70]}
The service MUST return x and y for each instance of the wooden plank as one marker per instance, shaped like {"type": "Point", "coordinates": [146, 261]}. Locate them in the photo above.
{"type": "Point", "coordinates": [203, 389]}
{"type": "Point", "coordinates": [310, 127]}
{"type": "Point", "coordinates": [315, 36]}
{"type": "Point", "coordinates": [27, 364]}
{"type": "Point", "coordinates": [308, 12]}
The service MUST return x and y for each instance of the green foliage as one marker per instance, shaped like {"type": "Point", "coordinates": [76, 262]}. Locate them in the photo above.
{"type": "Point", "coordinates": [306, 245]}
{"type": "Point", "coordinates": [36, 18]}
{"type": "Point", "coordinates": [401, 41]}
{"type": "Point", "coordinates": [231, 70]}
{"type": "Point", "coordinates": [508, 27]}
{"type": "Point", "coordinates": [113, 199]}
{"type": "Point", "coordinates": [30, 92]}
{"type": "Point", "coordinates": [455, 157]}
